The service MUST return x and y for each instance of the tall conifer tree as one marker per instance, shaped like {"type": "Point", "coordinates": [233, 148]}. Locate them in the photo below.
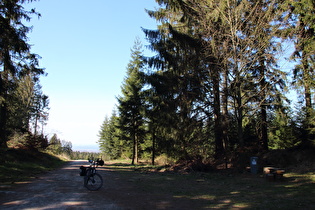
{"type": "Point", "coordinates": [130, 104]}
{"type": "Point", "coordinates": [301, 28]}
{"type": "Point", "coordinates": [15, 55]}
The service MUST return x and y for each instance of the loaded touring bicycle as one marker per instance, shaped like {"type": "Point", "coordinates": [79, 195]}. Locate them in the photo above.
{"type": "Point", "coordinates": [92, 180]}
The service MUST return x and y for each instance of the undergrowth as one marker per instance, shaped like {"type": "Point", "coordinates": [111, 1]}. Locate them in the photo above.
{"type": "Point", "coordinates": [19, 165]}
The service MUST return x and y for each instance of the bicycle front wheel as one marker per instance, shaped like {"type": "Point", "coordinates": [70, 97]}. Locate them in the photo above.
{"type": "Point", "coordinates": [93, 182]}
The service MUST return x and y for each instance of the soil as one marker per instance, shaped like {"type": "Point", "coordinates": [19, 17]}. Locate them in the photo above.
{"type": "Point", "coordinates": [126, 188]}
{"type": "Point", "coordinates": [63, 189]}
{"type": "Point", "coordinates": [60, 189]}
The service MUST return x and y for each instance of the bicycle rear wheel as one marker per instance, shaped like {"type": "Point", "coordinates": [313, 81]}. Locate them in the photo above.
{"type": "Point", "coordinates": [93, 182]}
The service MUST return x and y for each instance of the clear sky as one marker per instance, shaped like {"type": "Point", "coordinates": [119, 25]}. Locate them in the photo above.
{"type": "Point", "coordinates": [85, 48]}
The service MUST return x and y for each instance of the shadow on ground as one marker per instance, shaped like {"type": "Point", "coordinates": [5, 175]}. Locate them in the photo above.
{"type": "Point", "coordinates": [144, 189]}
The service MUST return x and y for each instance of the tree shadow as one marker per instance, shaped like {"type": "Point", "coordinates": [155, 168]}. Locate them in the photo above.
{"type": "Point", "coordinates": [58, 189]}
{"type": "Point", "coordinates": [165, 190]}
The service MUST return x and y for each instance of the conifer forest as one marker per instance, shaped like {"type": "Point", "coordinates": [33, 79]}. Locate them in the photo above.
{"type": "Point", "coordinates": [215, 86]}
{"type": "Point", "coordinates": [224, 77]}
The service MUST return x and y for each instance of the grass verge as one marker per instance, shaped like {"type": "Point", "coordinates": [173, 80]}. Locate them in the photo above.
{"type": "Point", "coordinates": [22, 165]}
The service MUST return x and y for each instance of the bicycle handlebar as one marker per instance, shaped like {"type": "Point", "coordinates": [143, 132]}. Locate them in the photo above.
{"type": "Point", "coordinates": [98, 161]}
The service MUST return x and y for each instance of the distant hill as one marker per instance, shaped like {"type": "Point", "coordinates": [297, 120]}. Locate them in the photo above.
{"type": "Point", "coordinates": [86, 148]}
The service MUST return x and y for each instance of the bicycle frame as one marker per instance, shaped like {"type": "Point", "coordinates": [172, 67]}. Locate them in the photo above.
{"type": "Point", "coordinates": [92, 167]}
{"type": "Point", "coordinates": [92, 180]}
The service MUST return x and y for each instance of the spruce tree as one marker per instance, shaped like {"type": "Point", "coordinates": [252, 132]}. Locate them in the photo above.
{"type": "Point", "coordinates": [131, 104]}
{"type": "Point", "coordinates": [15, 56]}
{"type": "Point", "coordinates": [110, 143]}
{"type": "Point", "coordinates": [178, 81]}
{"type": "Point", "coordinates": [300, 27]}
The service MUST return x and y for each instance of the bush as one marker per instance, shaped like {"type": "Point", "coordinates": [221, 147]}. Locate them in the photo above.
{"type": "Point", "coordinates": [28, 141]}
{"type": "Point", "coordinates": [164, 160]}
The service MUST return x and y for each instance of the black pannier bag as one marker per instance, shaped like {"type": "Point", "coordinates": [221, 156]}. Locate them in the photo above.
{"type": "Point", "coordinates": [83, 171]}
{"type": "Point", "coordinates": [100, 162]}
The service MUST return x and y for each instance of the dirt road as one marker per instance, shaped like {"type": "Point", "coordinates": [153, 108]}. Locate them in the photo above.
{"type": "Point", "coordinates": [58, 189]}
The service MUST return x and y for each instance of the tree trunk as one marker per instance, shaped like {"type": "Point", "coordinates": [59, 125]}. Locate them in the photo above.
{"type": "Point", "coordinates": [263, 108]}
{"type": "Point", "coordinates": [225, 117]}
{"type": "Point", "coordinates": [133, 149]}
{"type": "Point", "coordinates": [264, 129]}
{"type": "Point", "coordinates": [4, 77]}
{"type": "Point", "coordinates": [308, 103]}
{"type": "Point", "coordinates": [153, 146]}
{"type": "Point", "coordinates": [219, 149]}
{"type": "Point", "coordinates": [239, 111]}
{"type": "Point", "coordinates": [307, 79]}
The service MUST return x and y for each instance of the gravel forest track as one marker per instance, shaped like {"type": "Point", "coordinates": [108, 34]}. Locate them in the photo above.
{"type": "Point", "coordinates": [58, 189]}
{"type": "Point", "coordinates": [129, 188]}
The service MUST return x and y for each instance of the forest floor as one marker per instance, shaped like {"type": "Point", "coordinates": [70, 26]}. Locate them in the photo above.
{"type": "Point", "coordinates": [144, 187]}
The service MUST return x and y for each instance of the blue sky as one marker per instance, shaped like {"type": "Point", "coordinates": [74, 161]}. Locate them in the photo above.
{"type": "Point", "coordinates": [85, 48]}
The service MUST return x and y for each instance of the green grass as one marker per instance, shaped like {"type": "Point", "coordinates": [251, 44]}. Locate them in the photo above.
{"type": "Point", "coordinates": [219, 189]}
{"type": "Point", "coordinates": [21, 165]}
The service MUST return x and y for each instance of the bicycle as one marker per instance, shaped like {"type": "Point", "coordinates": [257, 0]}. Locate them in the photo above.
{"type": "Point", "coordinates": [92, 180]}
